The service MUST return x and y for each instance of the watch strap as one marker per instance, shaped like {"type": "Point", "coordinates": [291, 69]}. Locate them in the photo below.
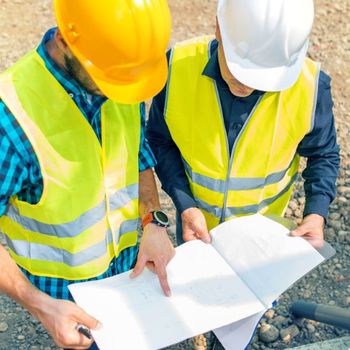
{"type": "Point", "coordinates": [147, 219]}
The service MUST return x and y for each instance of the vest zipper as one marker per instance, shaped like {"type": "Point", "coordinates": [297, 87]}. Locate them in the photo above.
{"type": "Point", "coordinates": [231, 154]}
{"type": "Point", "coordinates": [223, 209]}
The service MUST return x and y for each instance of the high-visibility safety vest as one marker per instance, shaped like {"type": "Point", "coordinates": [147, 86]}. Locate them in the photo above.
{"type": "Point", "coordinates": [259, 174]}
{"type": "Point", "coordinates": [88, 212]}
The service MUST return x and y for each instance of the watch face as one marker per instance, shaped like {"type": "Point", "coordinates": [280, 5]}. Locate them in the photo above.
{"type": "Point", "coordinates": [161, 217]}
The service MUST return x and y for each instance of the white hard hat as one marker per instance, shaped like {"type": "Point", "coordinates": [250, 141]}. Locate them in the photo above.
{"type": "Point", "coordinates": [265, 41]}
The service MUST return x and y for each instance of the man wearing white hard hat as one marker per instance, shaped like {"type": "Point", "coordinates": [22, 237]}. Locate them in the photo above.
{"type": "Point", "coordinates": [236, 115]}
{"type": "Point", "coordinates": [76, 177]}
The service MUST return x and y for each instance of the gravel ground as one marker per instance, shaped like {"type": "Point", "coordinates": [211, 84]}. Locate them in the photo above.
{"type": "Point", "coordinates": [21, 26]}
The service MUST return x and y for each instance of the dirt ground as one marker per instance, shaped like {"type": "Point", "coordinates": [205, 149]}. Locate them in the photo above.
{"type": "Point", "coordinates": [23, 22]}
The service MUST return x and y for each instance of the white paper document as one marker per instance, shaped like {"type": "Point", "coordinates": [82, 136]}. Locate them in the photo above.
{"type": "Point", "coordinates": [250, 262]}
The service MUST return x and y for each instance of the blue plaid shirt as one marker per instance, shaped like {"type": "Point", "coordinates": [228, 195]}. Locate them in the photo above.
{"type": "Point", "coordinates": [20, 171]}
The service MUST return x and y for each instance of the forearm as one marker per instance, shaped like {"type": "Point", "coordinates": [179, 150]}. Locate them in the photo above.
{"type": "Point", "coordinates": [156, 249]}
{"type": "Point", "coordinates": [148, 194]}
{"type": "Point", "coordinates": [14, 284]}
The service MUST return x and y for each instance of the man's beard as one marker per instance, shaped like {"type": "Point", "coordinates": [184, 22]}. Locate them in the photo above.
{"type": "Point", "coordinates": [78, 73]}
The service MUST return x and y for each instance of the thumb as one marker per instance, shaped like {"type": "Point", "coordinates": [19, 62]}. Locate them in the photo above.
{"type": "Point", "coordinates": [87, 320]}
{"type": "Point", "coordinates": [139, 267]}
{"type": "Point", "coordinates": [204, 235]}
{"type": "Point", "coordinates": [300, 231]}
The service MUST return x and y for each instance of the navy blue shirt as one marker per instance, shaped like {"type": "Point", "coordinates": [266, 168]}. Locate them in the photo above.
{"type": "Point", "coordinates": [319, 146]}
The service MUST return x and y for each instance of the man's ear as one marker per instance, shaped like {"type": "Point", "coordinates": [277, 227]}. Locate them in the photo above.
{"type": "Point", "coordinates": [61, 44]}
{"type": "Point", "coordinates": [217, 31]}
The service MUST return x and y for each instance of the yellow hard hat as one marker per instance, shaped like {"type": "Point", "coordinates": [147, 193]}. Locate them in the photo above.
{"type": "Point", "coordinates": [120, 43]}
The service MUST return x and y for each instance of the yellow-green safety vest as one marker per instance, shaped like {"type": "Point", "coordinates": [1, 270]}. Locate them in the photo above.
{"type": "Point", "coordinates": [259, 174]}
{"type": "Point", "coordinates": [88, 211]}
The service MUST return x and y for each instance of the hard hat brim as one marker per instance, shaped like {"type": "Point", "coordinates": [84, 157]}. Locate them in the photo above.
{"type": "Point", "coordinates": [137, 91]}
{"type": "Point", "coordinates": [262, 78]}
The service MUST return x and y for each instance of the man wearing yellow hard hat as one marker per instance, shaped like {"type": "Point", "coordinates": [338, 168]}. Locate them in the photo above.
{"type": "Point", "coordinates": [75, 169]}
{"type": "Point", "coordinates": [237, 113]}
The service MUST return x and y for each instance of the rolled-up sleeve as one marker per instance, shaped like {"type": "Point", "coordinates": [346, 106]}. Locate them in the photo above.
{"type": "Point", "coordinates": [13, 167]}
{"type": "Point", "coordinates": [146, 156]}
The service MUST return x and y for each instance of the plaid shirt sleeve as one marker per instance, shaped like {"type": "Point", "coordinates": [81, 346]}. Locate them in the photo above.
{"type": "Point", "coordinates": [146, 157]}
{"type": "Point", "coordinates": [14, 172]}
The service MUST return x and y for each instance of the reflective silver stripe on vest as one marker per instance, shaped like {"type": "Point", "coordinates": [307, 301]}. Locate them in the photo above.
{"type": "Point", "coordinates": [230, 211]}
{"type": "Point", "coordinates": [69, 229]}
{"type": "Point", "coordinates": [35, 251]}
{"type": "Point", "coordinates": [43, 252]}
{"type": "Point", "coordinates": [212, 209]}
{"type": "Point", "coordinates": [127, 227]}
{"type": "Point", "coordinates": [235, 184]}
{"type": "Point", "coordinates": [249, 209]}
{"type": "Point", "coordinates": [125, 195]}
{"type": "Point", "coordinates": [82, 223]}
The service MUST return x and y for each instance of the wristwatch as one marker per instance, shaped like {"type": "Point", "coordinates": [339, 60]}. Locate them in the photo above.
{"type": "Point", "coordinates": [155, 217]}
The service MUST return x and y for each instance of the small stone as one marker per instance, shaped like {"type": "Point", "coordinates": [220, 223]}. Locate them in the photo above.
{"type": "Point", "coordinates": [346, 301]}
{"type": "Point", "coordinates": [344, 189]}
{"type": "Point", "coordinates": [200, 342]}
{"type": "Point", "coordinates": [3, 327]}
{"type": "Point", "coordinates": [301, 200]}
{"type": "Point", "coordinates": [310, 328]}
{"type": "Point", "coordinates": [279, 321]}
{"type": "Point", "coordinates": [298, 213]}
{"type": "Point", "coordinates": [21, 337]}
{"type": "Point", "coordinates": [293, 205]}
{"type": "Point", "coordinates": [342, 200]}
{"type": "Point", "coordinates": [334, 216]}
{"type": "Point", "coordinates": [287, 338]}
{"type": "Point", "coordinates": [306, 294]}
{"type": "Point", "coordinates": [335, 224]}
{"type": "Point", "coordinates": [289, 333]}
{"type": "Point", "coordinates": [289, 212]}
{"type": "Point", "coordinates": [269, 314]}
{"type": "Point", "coordinates": [268, 333]}
{"type": "Point", "coordinates": [342, 235]}
{"type": "Point", "coordinates": [34, 347]}
{"type": "Point", "coordinates": [299, 322]}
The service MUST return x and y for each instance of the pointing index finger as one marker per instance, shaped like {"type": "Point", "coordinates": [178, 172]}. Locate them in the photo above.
{"type": "Point", "coordinates": [163, 278]}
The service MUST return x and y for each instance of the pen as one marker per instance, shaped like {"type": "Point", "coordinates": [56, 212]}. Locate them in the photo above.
{"type": "Point", "coordinates": [84, 330]}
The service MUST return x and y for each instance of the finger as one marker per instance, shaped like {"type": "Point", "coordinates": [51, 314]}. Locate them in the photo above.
{"type": "Point", "coordinates": [74, 340]}
{"type": "Point", "coordinates": [317, 243]}
{"type": "Point", "coordinates": [189, 236]}
{"type": "Point", "coordinates": [302, 230]}
{"type": "Point", "coordinates": [140, 265]}
{"type": "Point", "coordinates": [163, 278]}
{"type": "Point", "coordinates": [204, 236]}
{"type": "Point", "coordinates": [84, 342]}
{"type": "Point", "coordinates": [87, 320]}
{"type": "Point", "coordinates": [150, 265]}
{"type": "Point", "coordinates": [172, 254]}
{"type": "Point", "coordinates": [315, 237]}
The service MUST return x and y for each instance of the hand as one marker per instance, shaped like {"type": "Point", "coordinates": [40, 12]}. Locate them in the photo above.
{"type": "Point", "coordinates": [194, 225]}
{"type": "Point", "coordinates": [311, 229]}
{"type": "Point", "coordinates": [155, 252]}
{"type": "Point", "coordinates": [61, 317]}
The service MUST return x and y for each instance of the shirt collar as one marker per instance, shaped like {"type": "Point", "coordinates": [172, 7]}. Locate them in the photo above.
{"type": "Point", "coordinates": [68, 82]}
{"type": "Point", "coordinates": [212, 70]}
